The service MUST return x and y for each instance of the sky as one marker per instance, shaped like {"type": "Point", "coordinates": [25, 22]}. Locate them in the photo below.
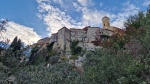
{"type": "Point", "coordinates": [43, 17]}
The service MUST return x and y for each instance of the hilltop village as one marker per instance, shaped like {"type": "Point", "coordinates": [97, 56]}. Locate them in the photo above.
{"type": "Point", "coordinates": [86, 36]}
{"type": "Point", "coordinates": [89, 55]}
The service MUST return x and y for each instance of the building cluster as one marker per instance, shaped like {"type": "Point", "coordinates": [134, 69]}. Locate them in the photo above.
{"type": "Point", "coordinates": [85, 36]}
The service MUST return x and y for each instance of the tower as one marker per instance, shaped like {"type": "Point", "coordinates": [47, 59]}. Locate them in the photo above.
{"type": "Point", "coordinates": [105, 22]}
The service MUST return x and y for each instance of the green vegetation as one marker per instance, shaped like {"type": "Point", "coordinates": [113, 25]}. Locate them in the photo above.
{"type": "Point", "coordinates": [75, 50]}
{"type": "Point", "coordinates": [124, 60]}
{"type": "Point", "coordinates": [35, 59]}
{"type": "Point", "coordinates": [16, 44]}
{"type": "Point", "coordinates": [13, 54]}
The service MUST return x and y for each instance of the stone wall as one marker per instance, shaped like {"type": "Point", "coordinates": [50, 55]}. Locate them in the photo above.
{"type": "Point", "coordinates": [54, 37]}
{"type": "Point", "coordinates": [64, 39]}
{"type": "Point", "coordinates": [85, 36]}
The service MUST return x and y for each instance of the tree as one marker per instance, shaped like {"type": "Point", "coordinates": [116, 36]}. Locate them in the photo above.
{"type": "Point", "coordinates": [16, 44]}
{"type": "Point", "coordinates": [146, 38]}
{"type": "Point", "coordinates": [13, 54]}
{"type": "Point", "coordinates": [136, 21]}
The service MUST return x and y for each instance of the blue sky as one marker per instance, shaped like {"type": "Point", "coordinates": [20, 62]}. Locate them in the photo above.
{"type": "Point", "coordinates": [22, 12]}
{"type": "Point", "coordinates": [48, 16]}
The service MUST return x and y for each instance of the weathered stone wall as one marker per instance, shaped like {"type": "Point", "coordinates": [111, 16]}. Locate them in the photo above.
{"type": "Point", "coordinates": [78, 35]}
{"type": "Point", "coordinates": [67, 39]}
{"type": "Point", "coordinates": [91, 34]}
{"type": "Point", "coordinates": [61, 38]}
{"type": "Point", "coordinates": [54, 37]}
{"type": "Point", "coordinates": [64, 39]}
{"type": "Point", "coordinates": [85, 36]}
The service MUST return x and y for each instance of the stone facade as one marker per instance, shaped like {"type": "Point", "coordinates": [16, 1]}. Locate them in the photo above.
{"type": "Point", "coordinates": [64, 39]}
{"type": "Point", "coordinates": [54, 37]}
{"type": "Point", "coordinates": [77, 34]}
{"type": "Point", "coordinates": [85, 36]}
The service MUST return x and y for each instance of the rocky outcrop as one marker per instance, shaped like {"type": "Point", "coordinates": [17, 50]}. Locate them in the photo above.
{"type": "Point", "coordinates": [42, 42]}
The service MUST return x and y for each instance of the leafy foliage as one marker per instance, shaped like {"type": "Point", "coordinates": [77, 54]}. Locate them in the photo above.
{"type": "Point", "coordinates": [3, 74]}
{"type": "Point", "coordinates": [59, 74]}
{"type": "Point", "coordinates": [12, 55]}
{"type": "Point", "coordinates": [103, 66]}
{"type": "Point", "coordinates": [75, 49]}
{"type": "Point", "coordinates": [129, 64]}
{"type": "Point", "coordinates": [50, 50]}
{"type": "Point", "coordinates": [136, 21]}
{"type": "Point", "coordinates": [33, 59]}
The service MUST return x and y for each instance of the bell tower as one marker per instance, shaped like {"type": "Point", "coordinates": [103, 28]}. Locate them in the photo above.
{"type": "Point", "coordinates": [105, 22]}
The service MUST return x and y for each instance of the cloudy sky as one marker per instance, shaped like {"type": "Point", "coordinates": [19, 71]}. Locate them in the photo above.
{"type": "Point", "coordinates": [43, 17]}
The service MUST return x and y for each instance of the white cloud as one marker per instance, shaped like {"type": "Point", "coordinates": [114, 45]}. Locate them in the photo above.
{"type": "Point", "coordinates": [26, 34]}
{"type": "Point", "coordinates": [40, 1]}
{"type": "Point", "coordinates": [126, 12]}
{"type": "Point", "coordinates": [146, 3]}
{"type": "Point", "coordinates": [86, 3]}
{"type": "Point", "coordinates": [76, 5]}
{"type": "Point", "coordinates": [92, 17]}
{"type": "Point", "coordinates": [55, 18]}
{"type": "Point", "coordinates": [58, 1]}
{"type": "Point", "coordinates": [39, 16]}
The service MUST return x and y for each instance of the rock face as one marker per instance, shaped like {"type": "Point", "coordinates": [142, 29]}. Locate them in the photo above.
{"type": "Point", "coordinates": [43, 41]}
{"type": "Point", "coordinates": [39, 56]}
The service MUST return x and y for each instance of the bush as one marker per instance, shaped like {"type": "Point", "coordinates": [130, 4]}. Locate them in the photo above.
{"type": "Point", "coordinates": [3, 74]}
{"type": "Point", "coordinates": [62, 73]}
{"type": "Point", "coordinates": [102, 66]}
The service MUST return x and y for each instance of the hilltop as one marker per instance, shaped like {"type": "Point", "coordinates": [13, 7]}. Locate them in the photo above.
{"type": "Point", "coordinates": [122, 57]}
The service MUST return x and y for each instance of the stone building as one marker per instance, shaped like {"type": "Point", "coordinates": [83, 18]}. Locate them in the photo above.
{"type": "Point", "coordinates": [54, 37]}
{"type": "Point", "coordinates": [85, 36]}
{"type": "Point", "coordinates": [77, 34]}
{"type": "Point", "coordinates": [64, 38]}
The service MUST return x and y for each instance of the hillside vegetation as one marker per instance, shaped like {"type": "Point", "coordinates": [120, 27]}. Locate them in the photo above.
{"type": "Point", "coordinates": [125, 59]}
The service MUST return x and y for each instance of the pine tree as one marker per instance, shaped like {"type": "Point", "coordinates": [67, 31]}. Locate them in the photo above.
{"type": "Point", "coordinates": [16, 44]}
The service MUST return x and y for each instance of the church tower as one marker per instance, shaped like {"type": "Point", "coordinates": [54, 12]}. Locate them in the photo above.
{"type": "Point", "coordinates": [105, 22]}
